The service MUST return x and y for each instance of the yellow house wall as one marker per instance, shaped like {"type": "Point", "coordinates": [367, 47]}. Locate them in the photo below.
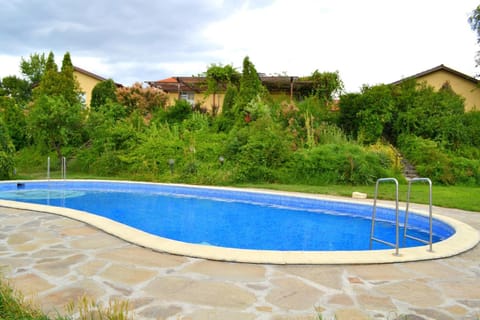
{"type": "Point", "coordinates": [172, 97]}
{"type": "Point", "coordinates": [207, 101]}
{"type": "Point", "coordinates": [199, 98]}
{"type": "Point", "coordinates": [87, 84]}
{"type": "Point", "coordinates": [459, 85]}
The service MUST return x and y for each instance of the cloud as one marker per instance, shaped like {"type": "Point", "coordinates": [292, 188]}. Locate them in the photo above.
{"type": "Point", "coordinates": [368, 41]}
{"type": "Point", "coordinates": [121, 33]}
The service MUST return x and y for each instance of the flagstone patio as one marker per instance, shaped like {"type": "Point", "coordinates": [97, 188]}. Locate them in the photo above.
{"type": "Point", "coordinates": [55, 260]}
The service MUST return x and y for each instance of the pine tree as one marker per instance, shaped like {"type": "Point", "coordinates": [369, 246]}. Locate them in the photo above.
{"type": "Point", "coordinates": [51, 65]}
{"type": "Point", "coordinates": [63, 83]}
{"type": "Point", "coordinates": [50, 80]}
{"type": "Point", "coordinates": [250, 87]}
{"type": "Point", "coordinates": [69, 86]}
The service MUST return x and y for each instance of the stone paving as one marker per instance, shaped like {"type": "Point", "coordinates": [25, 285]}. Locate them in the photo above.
{"type": "Point", "coordinates": [55, 260]}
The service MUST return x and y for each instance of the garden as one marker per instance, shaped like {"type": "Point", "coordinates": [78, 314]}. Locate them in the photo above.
{"type": "Point", "coordinates": [324, 137]}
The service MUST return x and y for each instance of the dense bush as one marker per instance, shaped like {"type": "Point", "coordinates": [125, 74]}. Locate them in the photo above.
{"type": "Point", "coordinates": [102, 93]}
{"type": "Point", "coordinates": [129, 132]}
{"type": "Point", "coordinates": [14, 120]}
{"type": "Point", "coordinates": [6, 152]}
{"type": "Point", "coordinates": [432, 161]}
{"type": "Point", "coordinates": [338, 164]}
{"type": "Point", "coordinates": [176, 113]}
{"type": "Point", "coordinates": [258, 151]}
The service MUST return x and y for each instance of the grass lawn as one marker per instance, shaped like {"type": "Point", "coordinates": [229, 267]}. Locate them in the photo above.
{"type": "Point", "coordinates": [460, 197]}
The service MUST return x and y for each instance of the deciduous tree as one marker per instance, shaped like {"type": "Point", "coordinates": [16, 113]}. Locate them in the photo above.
{"type": "Point", "coordinates": [14, 120]}
{"type": "Point", "coordinates": [325, 85]}
{"type": "Point", "coordinates": [33, 68]}
{"type": "Point", "coordinates": [55, 123]}
{"type": "Point", "coordinates": [145, 100]}
{"type": "Point", "coordinates": [102, 93]}
{"type": "Point", "coordinates": [6, 152]}
{"type": "Point", "coordinates": [16, 88]}
{"type": "Point", "coordinates": [474, 20]}
{"type": "Point", "coordinates": [219, 78]}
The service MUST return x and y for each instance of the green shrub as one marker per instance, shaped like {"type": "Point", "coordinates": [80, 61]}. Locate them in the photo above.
{"type": "Point", "coordinates": [102, 93]}
{"type": "Point", "coordinates": [180, 111]}
{"type": "Point", "coordinates": [433, 162]}
{"type": "Point", "coordinates": [6, 152]}
{"type": "Point", "coordinates": [338, 164]}
{"type": "Point", "coordinates": [258, 151]}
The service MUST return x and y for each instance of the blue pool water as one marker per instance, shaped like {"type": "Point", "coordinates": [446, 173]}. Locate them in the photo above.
{"type": "Point", "coordinates": [226, 218]}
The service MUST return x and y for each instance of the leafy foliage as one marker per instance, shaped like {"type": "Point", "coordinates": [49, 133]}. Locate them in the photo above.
{"type": "Point", "coordinates": [14, 120]}
{"type": "Point", "coordinates": [176, 113]}
{"type": "Point", "coordinates": [338, 164]}
{"type": "Point", "coordinates": [257, 151]}
{"type": "Point", "coordinates": [102, 93]}
{"type": "Point", "coordinates": [130, 132]}
{"type": "Point", "coordinates": [18, 89]}
{"type": "Point", "coordinates": [68, 85]}
{"type": "Point", "coordinates": [34, 68]}
{"type": "Point", "coordinates": [366, 115]}
{"type": "Point", "coordinates": [326, 85]}
{"type": "Point", "coordinates": [6, 152]}
{"type": "Point", "coordinates": [54, 123]}
{"type": "Point", "coordinates": [474, 20]}
{"type": "Point", "coordinates": [146, 100]}
{"type": "Point", "coordinates": [433, 161]}
{"type": "Point", "coordinates": [63, 83]}
{"type": "Point", "coordinates": [219, 78]}
{"type": "Point", "coordinates": [412, 108]}
{"type": "Point", "coordinates": [250, 87]}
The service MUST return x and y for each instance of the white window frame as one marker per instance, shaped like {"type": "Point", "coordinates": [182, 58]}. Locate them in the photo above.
{"type": "Point", "coordinates": [188, 96]}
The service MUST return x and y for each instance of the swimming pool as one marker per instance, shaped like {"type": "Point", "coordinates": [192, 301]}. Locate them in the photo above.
{"type": "Point", "coordinates": [198, 220]}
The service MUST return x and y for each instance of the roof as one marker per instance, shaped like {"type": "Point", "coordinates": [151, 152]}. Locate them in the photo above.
{"type": "Point", "coordinates": [199, 84]}
{"type": "Point", "coordinates": [436, 69]}
{"type": "Point", "coordinates": [93, 75]}
{"type": "Point", "coordinates": [176, 84]}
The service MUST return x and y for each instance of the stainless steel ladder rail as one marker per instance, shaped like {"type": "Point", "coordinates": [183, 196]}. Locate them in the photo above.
{"type": "Point", "coordinates": [374, 212]}
{"type": "Point", "coordinates": [48, 168]}
{"type": "Point", "coordinates": [405, 235]}
{"type": "Point", "coordinates": [64, 168]}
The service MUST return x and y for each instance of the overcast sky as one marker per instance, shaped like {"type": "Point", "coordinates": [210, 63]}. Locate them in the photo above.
{"type": "Point", "coordinates": [368, 41]}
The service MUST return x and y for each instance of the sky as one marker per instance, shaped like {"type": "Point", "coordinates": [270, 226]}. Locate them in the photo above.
{"type": "Point", "coordinates": [367, 42]}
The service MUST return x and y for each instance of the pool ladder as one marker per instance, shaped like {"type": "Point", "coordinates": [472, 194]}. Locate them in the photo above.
{"type": "Point", "coordinates": [397, 224]}
{"type": "Point", "coordinates": [63, 168]}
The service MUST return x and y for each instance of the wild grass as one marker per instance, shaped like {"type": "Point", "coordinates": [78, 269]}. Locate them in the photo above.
{"type": "Point", "coordinates": [14, 306]}
{"type": "Point", "coordinates": [88, 309]}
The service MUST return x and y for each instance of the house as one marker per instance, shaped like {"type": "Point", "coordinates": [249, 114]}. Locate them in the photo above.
{"type": "Point", "coordinates": [461, 84]}
{"type": "Point", "coordinates": [87, 81]}
{"type": "Point", "coordinates": [193, 90]}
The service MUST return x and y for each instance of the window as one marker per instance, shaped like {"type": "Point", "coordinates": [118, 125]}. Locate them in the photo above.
{"type": "Point", "coordinates": [83, 99]}
{"type": "Point", "coordinates": [188, 96]}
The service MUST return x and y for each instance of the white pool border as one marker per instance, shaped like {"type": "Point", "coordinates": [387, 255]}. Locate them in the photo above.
{"type": "Point", "coordinates": [464, 239]}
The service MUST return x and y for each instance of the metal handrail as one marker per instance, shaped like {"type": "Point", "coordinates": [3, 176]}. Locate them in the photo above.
{"type": "Point", "coordinates": [64, 168]}
{"type": "Point", "coordinates": [405, 235]}
{"type": "Point", "coordinates": [48, 168]}
{"type": "Point", "coordinates": [374, 212]}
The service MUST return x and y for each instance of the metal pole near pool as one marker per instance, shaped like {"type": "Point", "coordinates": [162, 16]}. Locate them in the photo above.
{"type": "Point", "coordinates": [48, 168]}
{"type": "Point", "coordinates": [64, 168]}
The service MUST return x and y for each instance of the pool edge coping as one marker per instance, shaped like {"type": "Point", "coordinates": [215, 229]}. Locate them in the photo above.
{"type": "Point", "coordinates": [464, 238]}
